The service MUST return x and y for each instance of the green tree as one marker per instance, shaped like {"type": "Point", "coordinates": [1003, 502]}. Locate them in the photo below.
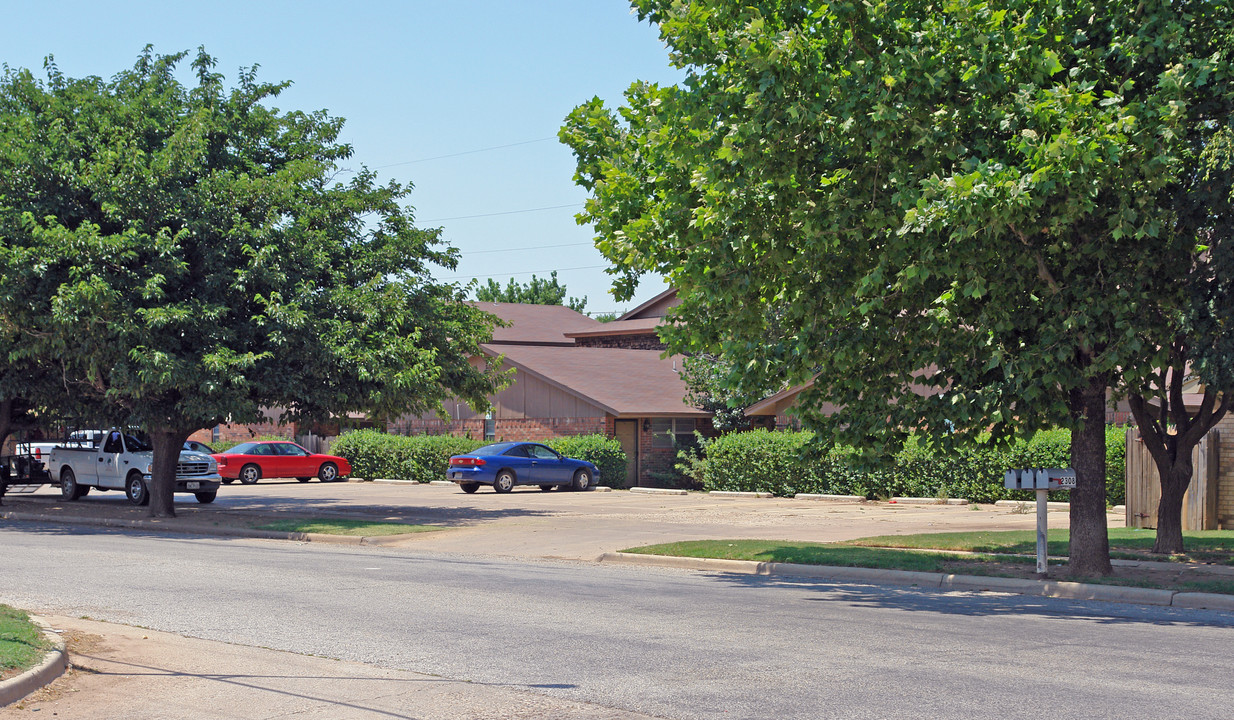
{"type": "Point", "coordinates": [952, 217]}
{"type": "Point", "coordinates": [537, 291]}
{"type": "Point", "coordinates": [199, 258]}
{"type": "Point", "coordinates": [707, 387]}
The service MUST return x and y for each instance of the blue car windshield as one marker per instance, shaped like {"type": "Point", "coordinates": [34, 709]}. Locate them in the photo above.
{"type": "Point", "coordinates": [494, 449]}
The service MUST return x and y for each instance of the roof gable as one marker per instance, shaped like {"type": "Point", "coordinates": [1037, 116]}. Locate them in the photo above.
{"type": "Point", "coordinates": [536, 324]}
{"type": "Point", "coordinates": [622, 382]}
{"type": "Point", "coordinates": [657, 307]}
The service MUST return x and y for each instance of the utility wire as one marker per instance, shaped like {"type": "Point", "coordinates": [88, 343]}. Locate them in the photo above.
{"type": "Point", "coordinates": [507, 212]}
{"type": "Point", "coordinates": [466, 152]}
{"type": "Point", "coordinates": [534, 247]}
{"type": "Point", "coordinates": [529, 272]}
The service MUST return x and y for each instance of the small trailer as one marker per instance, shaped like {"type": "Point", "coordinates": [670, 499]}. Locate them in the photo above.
{"type": "Point", "coordinates": [22, 473]}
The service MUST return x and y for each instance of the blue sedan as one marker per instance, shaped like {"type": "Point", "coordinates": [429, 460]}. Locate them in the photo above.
{"type": "Point", "coordinates": [504, 465]}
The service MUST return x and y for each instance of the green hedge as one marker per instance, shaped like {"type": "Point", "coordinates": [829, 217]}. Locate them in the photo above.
{"type": "Point", "coordinates": [779, 462]}
{"type": "Point", "coordinates": [422, 458]}
{"type": "Point", "coordinates": [604, 452]}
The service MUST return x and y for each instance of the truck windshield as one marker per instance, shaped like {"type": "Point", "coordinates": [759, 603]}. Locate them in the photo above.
{"type": "Point", "coordinates": [138, 443]}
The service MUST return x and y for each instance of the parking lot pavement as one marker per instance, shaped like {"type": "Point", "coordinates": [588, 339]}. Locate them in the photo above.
{"type": "Point", "coordinates": [138, 674]}
{"type": "Point", "coordinates": [530, 523]}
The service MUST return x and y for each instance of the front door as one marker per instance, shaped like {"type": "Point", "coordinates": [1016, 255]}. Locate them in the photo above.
{"type": "Point", "coordinates": [627, 435]}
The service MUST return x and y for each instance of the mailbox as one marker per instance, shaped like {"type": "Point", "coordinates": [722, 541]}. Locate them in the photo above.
{"type": "Point", "coordinates": [1040, 479]}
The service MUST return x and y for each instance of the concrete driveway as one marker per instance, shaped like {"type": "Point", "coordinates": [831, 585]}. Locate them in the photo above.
{"type": "Point", "coordinates": [530, 523]}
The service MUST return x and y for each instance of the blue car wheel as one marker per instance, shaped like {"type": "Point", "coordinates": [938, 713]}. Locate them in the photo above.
{"type": "Point", "coordinates": [582, 480]}
{"type": "Point", "coordinates": [504, 482]}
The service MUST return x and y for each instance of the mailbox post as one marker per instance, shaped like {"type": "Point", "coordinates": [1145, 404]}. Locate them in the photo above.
{"type": "Point", "coordinates": [1042, 480]}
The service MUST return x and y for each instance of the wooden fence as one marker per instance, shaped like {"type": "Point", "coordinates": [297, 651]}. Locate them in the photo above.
{"type": "Point", "coordinates": [1144, 485]}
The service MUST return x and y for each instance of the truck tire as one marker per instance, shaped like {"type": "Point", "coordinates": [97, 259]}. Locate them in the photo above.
{"type": "Point", "coordinates": [136, 491]}
{"type": "Point", "coordinates": [69, 489]}
{"type": "Point", "coordinates": [205, 498]}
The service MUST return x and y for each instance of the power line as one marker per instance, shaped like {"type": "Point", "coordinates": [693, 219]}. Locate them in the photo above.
{"type": "Point", "coordinates": [534, 247]}
{"type": "Point", "coordinates": [529, 272]}
{"type": "Point", "coordinates": [466, 152]}
{"type": "Point", "coordinates": [507, 212]}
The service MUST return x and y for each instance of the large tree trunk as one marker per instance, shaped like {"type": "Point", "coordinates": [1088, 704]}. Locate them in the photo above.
{"type": "Point", "coordinates": [1090, 542]}
{"type": "Point", "coordinates": [1170, 432]}
{"type": "Point", "coordinates": [1174, 485]}
{"type": "Point", "coordinates": [168, 442]}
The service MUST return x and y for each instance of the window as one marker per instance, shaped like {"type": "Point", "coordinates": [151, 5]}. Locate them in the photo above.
{"type": "Point", "coordinates": [667, 431]}
{"type": "Point", "coordinates": [540, 452]}
{"type": "Point", "coordinates": [113, 444]}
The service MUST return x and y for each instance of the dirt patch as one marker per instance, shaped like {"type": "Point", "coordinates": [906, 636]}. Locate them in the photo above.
{"type": "Point", "coordinates": [77, 643]}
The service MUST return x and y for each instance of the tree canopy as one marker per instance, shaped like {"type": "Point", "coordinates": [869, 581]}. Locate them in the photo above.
{"type": "Point", "coordinates": [966, 219]}
{"type": "Point", "coordinates": [190, 255]}
{"type": "Point", "coordinates": [537, 291]}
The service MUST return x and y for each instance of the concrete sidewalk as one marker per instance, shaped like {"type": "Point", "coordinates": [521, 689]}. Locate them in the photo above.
{"type": "Point", "coordinates": [119, 671]}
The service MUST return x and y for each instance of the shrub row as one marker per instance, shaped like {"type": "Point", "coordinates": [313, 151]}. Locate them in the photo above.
{"type": "Point", "coordinates": [603, 452]}
{"type": "Point", "coordinates": [780, 463]}
{"type": "Point", "coordinates": [422, 458]}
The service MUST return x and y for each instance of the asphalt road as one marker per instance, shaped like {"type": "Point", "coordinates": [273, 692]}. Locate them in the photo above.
{"type": "Point", "coordinates": [667, 643]}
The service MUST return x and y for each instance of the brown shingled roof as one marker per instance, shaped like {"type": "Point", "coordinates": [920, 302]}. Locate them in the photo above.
{"type": "Point", "coordinates": [536, 324]}
{"type": "Point", "coordinates": [623, 382]}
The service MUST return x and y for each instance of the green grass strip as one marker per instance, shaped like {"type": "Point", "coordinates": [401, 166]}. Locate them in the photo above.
{"type": "Point", "coordinates": [363, 528]}
{"type": "Point", "coordinates": [805, 553]}
{"type": "Point", "coordinates": [21, 641]}
{"type": "Point", "coordinates": [907, 555]}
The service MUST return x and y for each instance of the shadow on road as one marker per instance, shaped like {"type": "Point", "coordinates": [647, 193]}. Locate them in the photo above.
{"type": "Point", "coordinates": [247, 513]}
{"type": "Point", "coordinates": [981, 604]}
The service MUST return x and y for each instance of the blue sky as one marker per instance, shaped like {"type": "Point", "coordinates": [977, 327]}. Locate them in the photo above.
{"type": "Point", "coordinates": [415, 81]}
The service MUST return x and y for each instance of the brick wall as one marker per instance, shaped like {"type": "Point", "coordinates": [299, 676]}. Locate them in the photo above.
{"type": "Point", "coordinates": [1225, 473]}
{"type": "Point", "coordinates": [656, 462]}
{"type": "Point", "coordinates": [244, 433]}
{"type": "Point", "coordinates": [649, 341]}
{"type": "Point", "coordinates": [531, 429]}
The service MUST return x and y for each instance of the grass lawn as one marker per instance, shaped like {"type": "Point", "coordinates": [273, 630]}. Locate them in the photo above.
{"type": "Point", "coordinates": [984, 553]}
{"type": "Point", "coordinates": [806, 553]}
{"type": "Point", "coordinates": [362, 528]}
{"type": "Point", "coordinates": [21, 642]}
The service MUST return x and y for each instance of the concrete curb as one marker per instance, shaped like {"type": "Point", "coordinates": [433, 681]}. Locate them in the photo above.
{"type": "Point", "coordinates": [739, 494]}
{"type": "Point", "coordinates": [442, 483]}
{"type": "Point", "coordinates": [928, 501]}
{"type": "Point", "coordinates": [658, 491]}
{"type": "Point", "coordinates": [830, 498]}
{"type": "Point", "coordinates": [191, 528]}
{"type": "Point", "coordinates": [978, 583]}
{"type": "Point", "coordinates": [54, 663]}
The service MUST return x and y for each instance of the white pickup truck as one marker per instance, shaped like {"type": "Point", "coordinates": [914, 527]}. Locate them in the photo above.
{"type": "Point", "coordinates": [116, 460]}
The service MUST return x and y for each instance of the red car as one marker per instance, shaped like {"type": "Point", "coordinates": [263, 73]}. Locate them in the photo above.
{"type": "Point", "coordinates": [249, 462]}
